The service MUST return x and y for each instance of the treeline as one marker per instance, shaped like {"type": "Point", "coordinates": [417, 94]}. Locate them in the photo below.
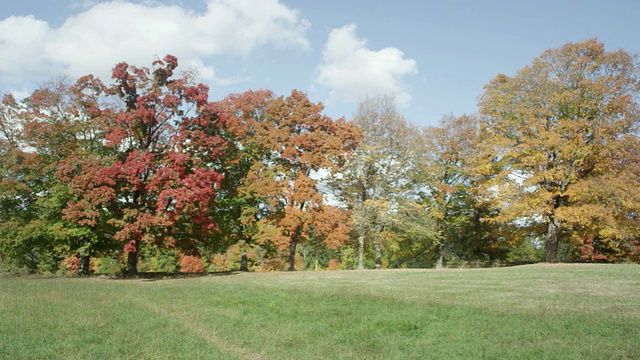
{"type": "Point", "coordinates": [148, 174]}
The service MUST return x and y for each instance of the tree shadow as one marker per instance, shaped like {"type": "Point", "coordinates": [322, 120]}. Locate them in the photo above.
{"type": "Point", "coordinates": [146, 276]}
{"type": "Point", "coordinates": [156, 276]}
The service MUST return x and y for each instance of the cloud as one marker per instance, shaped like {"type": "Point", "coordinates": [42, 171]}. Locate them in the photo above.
{"type": "Point", "coordinates": [94, 40]}
{"type": "Point", "coordinates": [351, 71]}
{"type": "Point", "coordinates": [21, 43]}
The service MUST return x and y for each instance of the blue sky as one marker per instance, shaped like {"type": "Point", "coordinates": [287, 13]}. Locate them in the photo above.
{"type": "Point", "coordinates": [433, 56]}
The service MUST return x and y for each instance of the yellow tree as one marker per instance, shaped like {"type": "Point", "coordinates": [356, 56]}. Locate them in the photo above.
{"type": "Point", "coordinates": [555, 142]}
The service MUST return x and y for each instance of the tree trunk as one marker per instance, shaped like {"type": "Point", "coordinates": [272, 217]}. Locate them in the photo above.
{"type": "Point", "coordinates": [553, 227]}
{"type": "Point", "coordinates": [132, 261]}
{"type": "Point", "coordinates": [292, 248]}
{"type": "Point", "coordinates": [377, 245]}
{"type": "Point", "coordinates": [85, 258]}
{"type": "Point", "coordinates": [439, 257]}
{"type": "Point", "coordinates": [292, 255]}
{"type": "Point", "coordinates": [83, 268]}
{"type": "Point", "coordinates": [439, 248]}
{"type": "Point", "coordinates": [378, 249]}
{"type": "Point", "coordinates": [243, 262]}
{"type": "Point", "coordinates": [361, 251]}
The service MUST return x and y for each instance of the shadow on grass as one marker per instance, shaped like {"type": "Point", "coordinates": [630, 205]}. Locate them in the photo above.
{"type": "Point", "coordinates": [146, 276]}
{"type": "Point", "coordinates": [154, 276]}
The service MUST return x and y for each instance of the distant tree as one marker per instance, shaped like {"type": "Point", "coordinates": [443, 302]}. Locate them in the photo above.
{"type": "Point", "coordinates": [558, 146]}
{"type": "Point", "coordinates": [376, 175]}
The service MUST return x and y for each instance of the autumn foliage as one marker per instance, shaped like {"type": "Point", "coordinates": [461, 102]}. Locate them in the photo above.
{"type": "Point", "coordinates": [295, 142]}
{"type": "Point", "coordinates": [141, 161]}
{"type": "Point", "coordinates": [191, 264]}
{"type": "Point", "coordinates": [153, 180]}
{"type": "Point", "coordinates": [558, 148]}
{"type": "Point", "coordinates": [145, 166]}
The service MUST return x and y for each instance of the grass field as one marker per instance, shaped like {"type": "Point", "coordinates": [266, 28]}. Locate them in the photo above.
{"type": "Point", "coordinates": [528, 312]}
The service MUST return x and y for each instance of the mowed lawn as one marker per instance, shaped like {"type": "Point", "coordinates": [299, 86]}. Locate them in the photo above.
{"type": "Point", "coordinates": [528, 312]}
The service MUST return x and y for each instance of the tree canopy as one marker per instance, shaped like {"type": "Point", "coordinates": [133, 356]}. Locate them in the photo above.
{"type": "Point", "coordinates": [147, 173]}
{"type": "Point", "coordinates": [557, 147]}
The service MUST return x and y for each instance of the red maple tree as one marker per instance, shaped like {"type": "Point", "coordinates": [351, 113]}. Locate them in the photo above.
{"type": "Point", "coordinates": [155, 186]}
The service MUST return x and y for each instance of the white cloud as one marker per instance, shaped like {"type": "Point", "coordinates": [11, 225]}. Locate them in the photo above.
{"type": "Point", "coordinates": [21, 43]}
{"type": "Point", "coordinates": [351, 71]}
{"type": "Point", "coordinates": [94, 40]}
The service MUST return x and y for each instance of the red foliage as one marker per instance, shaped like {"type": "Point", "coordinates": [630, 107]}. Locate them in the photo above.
{"type": "Point", "coordinates": [589, 253]}
{"type": "Point", "coordinates": [156, 179]}
{"type": "Point", "coordinates": [71, 264]}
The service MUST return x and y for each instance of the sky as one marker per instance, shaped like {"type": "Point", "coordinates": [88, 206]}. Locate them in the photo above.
{"type": "Point", "coordinates": [434, 57]}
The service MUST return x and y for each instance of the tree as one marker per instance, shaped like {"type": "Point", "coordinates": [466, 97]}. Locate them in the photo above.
{"type": "Point", "coordinates": [51, 125]}
{"type": "Point", "coordinates": [410, 235]}
{"type": "Point", "coordinates": [554, 139]}
{"type": "Point", "coordinates": [21, 242]}
{"type": "Point", "coordinates": [445, 185]}
{"type": "Point", "coordinates": [63, 122]}
{"type": "Point", "coordinates": [298, 142]}
{"type": "Point", "coordinates": [157, 186]}
{"type": "Point", "coordinates": [240, 116]}
{"type": "Point", "coordinates": [376, 175]}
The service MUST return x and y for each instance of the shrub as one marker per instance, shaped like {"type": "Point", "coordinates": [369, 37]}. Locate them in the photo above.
{"type": "Point", "coordinates": [165, 262]}
{"type": "Point", "coordinates": [218, 262]}
{"type": "Point", "coordinates": [275, 264]}
{"type": "Point", "coordinates": [231, 260]}
{"type": "Point", "coordinates": [349, 258]}
{"type": "Point", "coordinates": [334, 264]}
{"type": "Point", "coordinates": [95, 264]}
{"type": "Point", "coordinates": [70, 265]}
{"type": "Point", "coordinates": [523, 253]}
{"type": "Point", "coordinates": [47, 263]}
{"type": "Point", "coordinates": [191, 264]}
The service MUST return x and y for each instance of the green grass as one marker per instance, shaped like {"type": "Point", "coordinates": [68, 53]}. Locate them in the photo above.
{"type": "Point", "coordinates": [529, 312]}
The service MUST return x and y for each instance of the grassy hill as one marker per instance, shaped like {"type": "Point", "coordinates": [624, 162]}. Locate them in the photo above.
{"type": "Point", "coordinates": [527, 312]}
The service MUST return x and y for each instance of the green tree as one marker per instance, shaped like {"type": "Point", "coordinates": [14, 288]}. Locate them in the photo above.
{"type": "Point", "coordinates": [51, 125]}
{"type": "Point", "coordinates": [555, 142]}
{"type": "Point", "coordinates": [375, 177]}
{"type": "Point", "coordinates": [23, 185]}
{"type": "Point", "coordinates": [446, 189]}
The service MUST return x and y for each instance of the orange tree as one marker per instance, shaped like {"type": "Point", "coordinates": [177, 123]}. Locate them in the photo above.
{"type": "Point", "coordinates": [295, 143]}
